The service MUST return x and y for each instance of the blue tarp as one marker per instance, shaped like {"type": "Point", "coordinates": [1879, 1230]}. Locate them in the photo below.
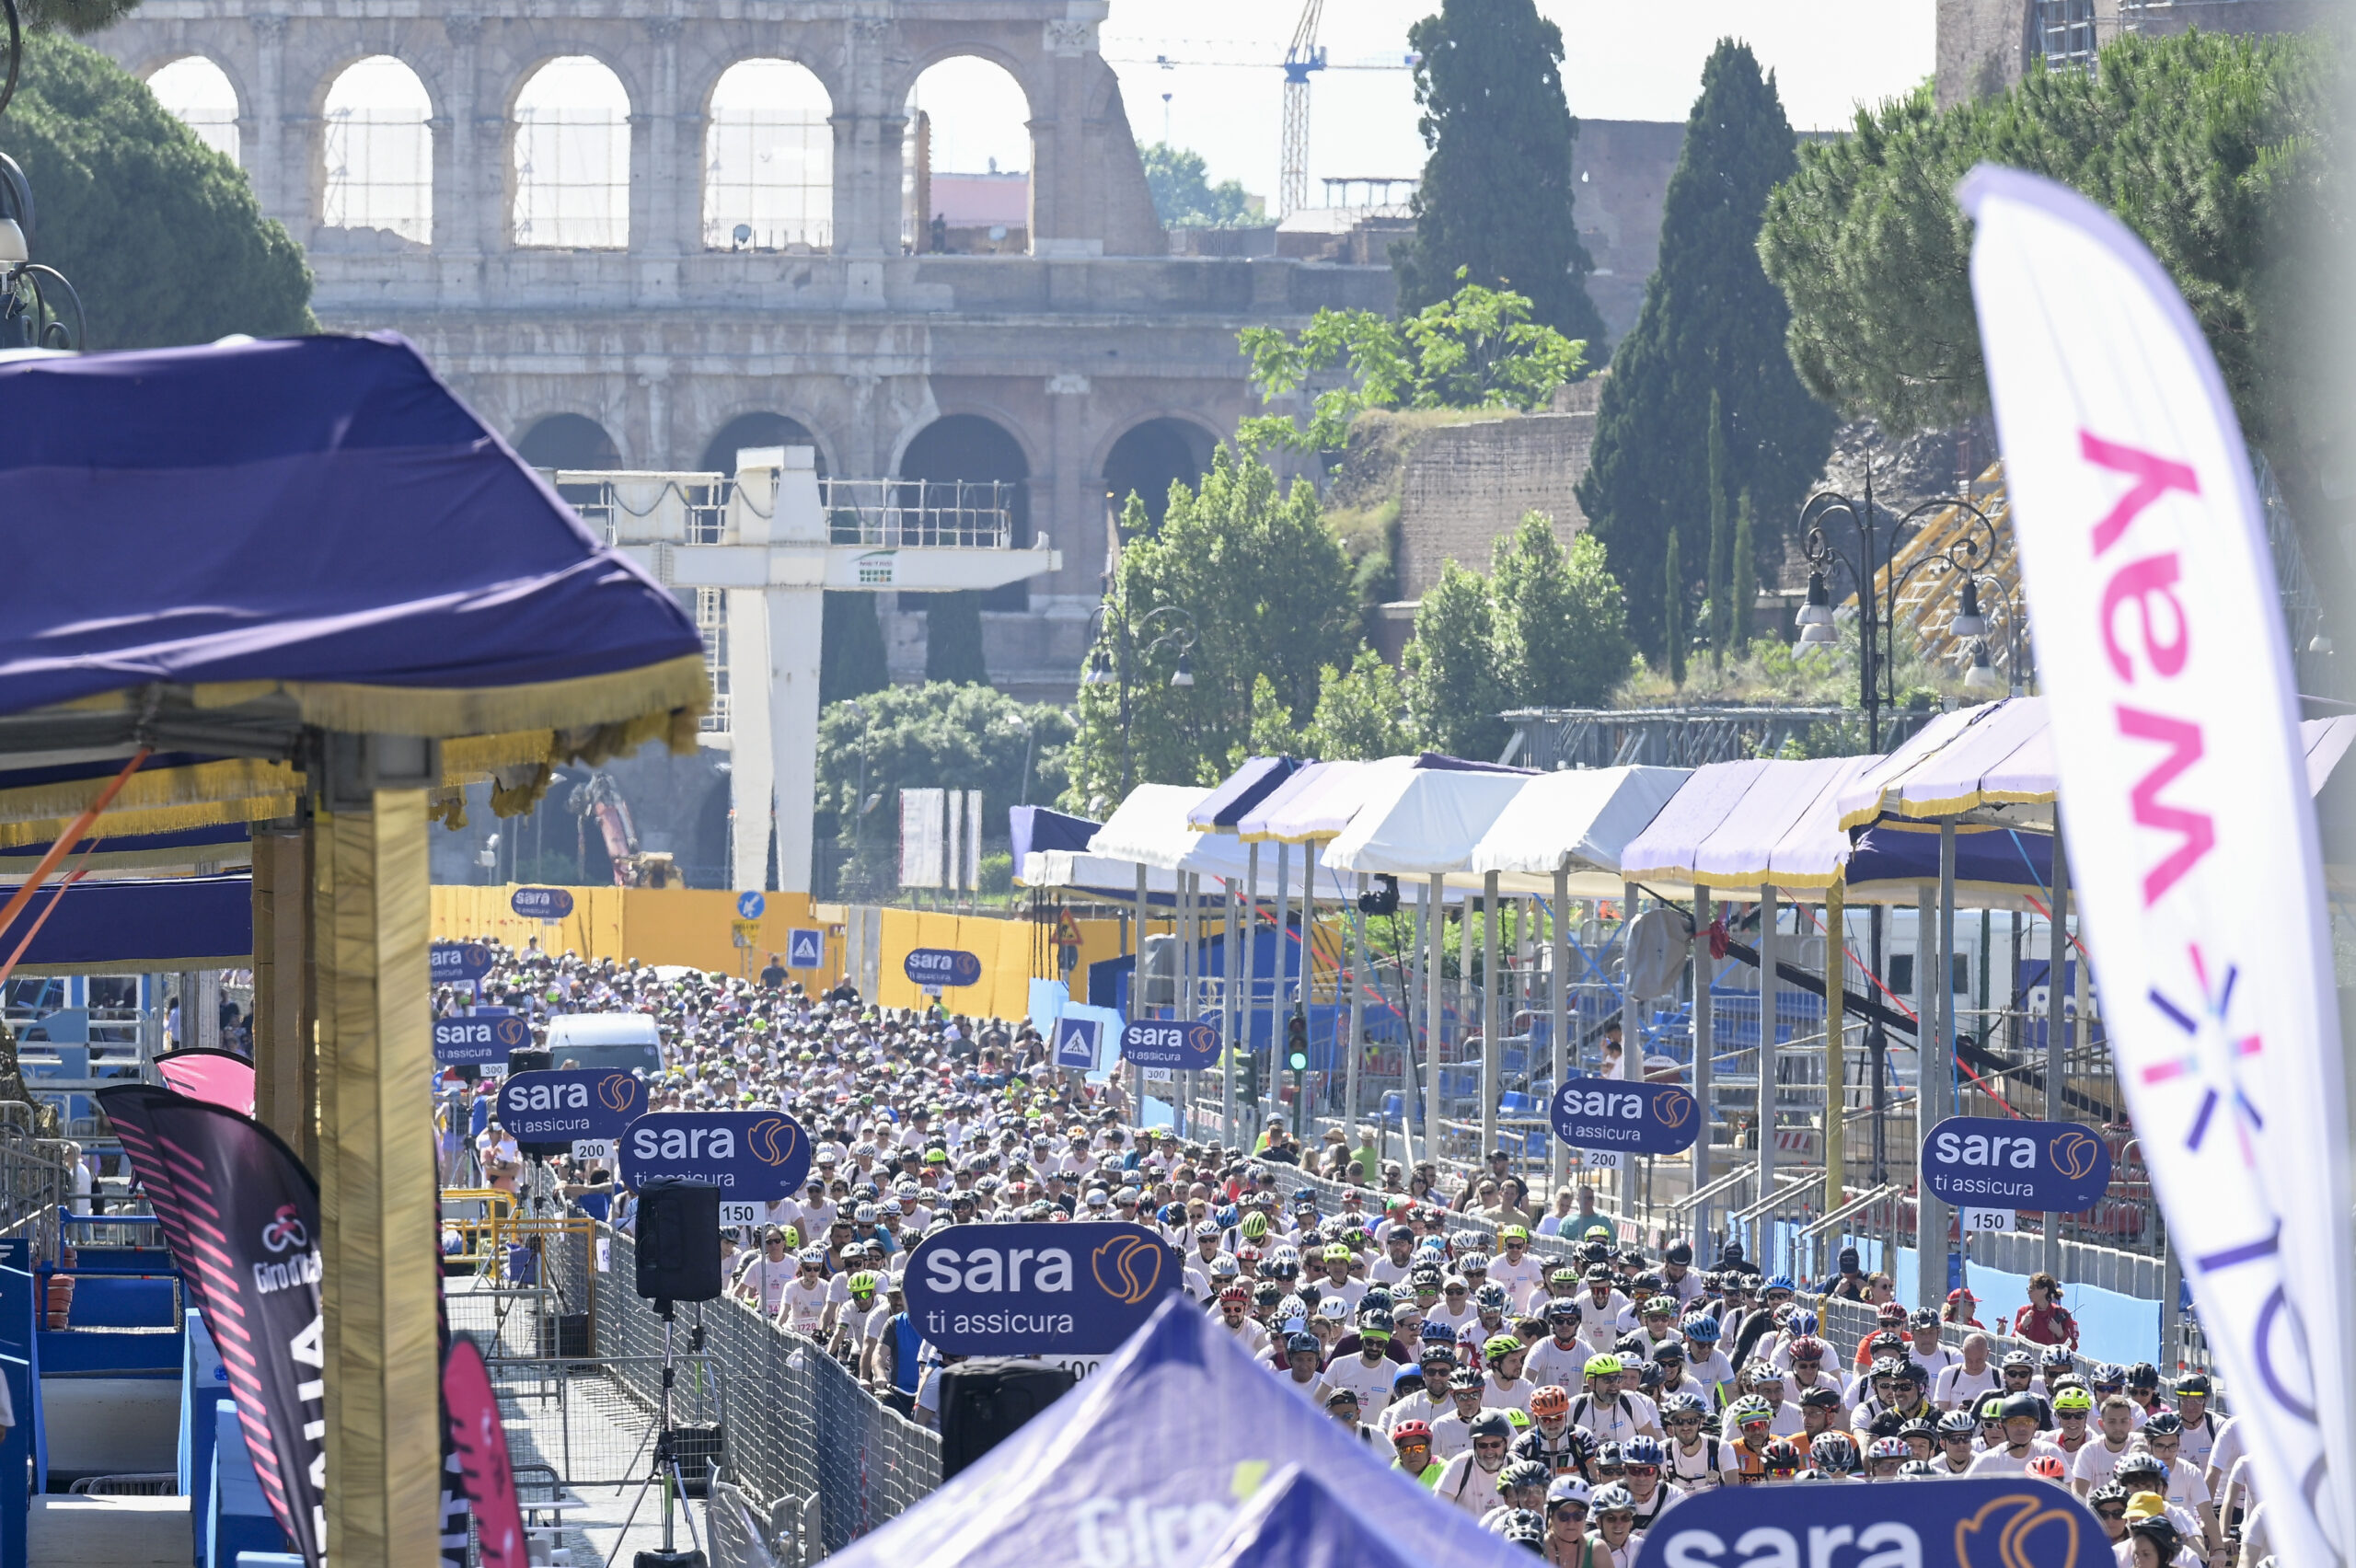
{"type": "Point", "coordinates": [169, 923]}
{"type": "Point", "coordinates": [312, 510]}
{"type": "Point", "coordinates": [1036, 828]}
{"type": "Point", "coordinates": [1157, 1454]}
{"type": "Point", "coordinates": [1234, 797]}
{"type": "Point", "coordinates": [1993, 857]}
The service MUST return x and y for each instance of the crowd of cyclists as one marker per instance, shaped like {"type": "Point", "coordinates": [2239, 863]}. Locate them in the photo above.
{"type": "Point", "coordinates": [1567, 1403]}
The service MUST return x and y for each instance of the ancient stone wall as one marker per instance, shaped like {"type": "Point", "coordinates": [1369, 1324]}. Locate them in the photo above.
{"type": "Point", "coordinates": [1466, 486]}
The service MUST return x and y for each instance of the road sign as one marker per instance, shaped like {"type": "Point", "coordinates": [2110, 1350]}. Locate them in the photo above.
{"type": "Point", "coordinates": [1078, 1042]}
{"type": "Point", "coordinates": [1627, 1114]}
{"type": "Point", "coordinates": [456, 963]}
{"type": "Point", "coordinates": [1033, 1289]}
{"type": "Point", "coordinates": [1187, 1048]}
{"type": "Point", "coordinates": [1990, 1162]}
{"type": "Point", "coordinates": [751, 1156]}
{"type": "Point", "coordinates": [744, 933]}
{"type": "Point", "coordinates": [480, 1040]}
{"type": "Point", "coordinates": [941, 966]}
{"type": "Point", "coordinates": [750, 905]}
{"type": "Point", "coordinates": [541, 903]}
{"type": "Point", "coordinates": [804, 948]}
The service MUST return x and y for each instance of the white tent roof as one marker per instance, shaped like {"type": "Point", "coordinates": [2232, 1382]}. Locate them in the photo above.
{"type": "Point", "coordinates": [1735, 824]}
{"type": "Point", "coordinates": [1995, 754]}
{"type": "Point", "coordinates": [1149, 829]}
{"type": "Point", "coordinates": [1319, 802]}
{"type": "Point", "coordinates": [1419, 821]}
{"type": "Point", "coordinates": [1577, 820]}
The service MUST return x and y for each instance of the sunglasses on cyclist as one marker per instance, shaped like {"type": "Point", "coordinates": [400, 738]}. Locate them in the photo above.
{"type": "Point", "coordinates": [1639, 1470]}
{"type": "Point", "coordinates": [1577, 1510]}
{"type": "Point", "coordinates": [2110, 1512]}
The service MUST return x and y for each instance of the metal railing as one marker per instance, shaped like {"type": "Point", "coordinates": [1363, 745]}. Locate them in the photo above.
{"type": "Point", "coordinates": [921, 513]}
{"type": "Point", "coordinates": [797, 1429]}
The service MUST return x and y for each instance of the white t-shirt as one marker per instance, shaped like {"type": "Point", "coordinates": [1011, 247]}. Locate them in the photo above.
{"type": "Point", "coordinates": [1525, 1281]}
{"type": "Point", "coordinates": [1465, 1484]}
{"type": "Point", "coordinates": [805, 1306]}
{"type": "Point", "coordinates": [771, 1278]}
{"type": "Point", "coordinates": [1956, 1389]}
{"type": "Point", "coordinates": [1506, 1396]}
{"type": "Point", "coordinates": [1549, 1362]}
{"type": "Point", "coordinates": [1451, 1436]}
{"type": "Point", "coordinates": [1601, 1326]}
{"type": "Point", "coordinates": [2095, 1462]}
{"type": "Point", "coordinates": [1371, 1384]}
{"type": "Point", "coordinates": [1627, 1416]}
{"type": "Point", "coordinates": [2001, 1461]}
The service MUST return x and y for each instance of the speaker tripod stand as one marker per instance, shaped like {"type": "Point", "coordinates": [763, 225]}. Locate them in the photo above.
{"type": "Point", "coordinates": [665, 1472]}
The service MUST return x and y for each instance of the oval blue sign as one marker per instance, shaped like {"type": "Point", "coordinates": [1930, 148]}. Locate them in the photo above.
{"type": "Point", "coordinates": [541, 903]}
{"type": "Point", "coordinates": [1990, 1163]}
{"type": "Point", "coordinates": [452, 964]}
{"type": "Point", "coordinates": [751, 1156]}
{"type": "Point", "coordinates": [942, 967]}
{"type": "Point", "coordinates": [558, 1106]}
{"type": "Point", "coordinates": [1187, 1048]}
{"type": "Point", "coordinates": [485, 1037]}
{"type": "Point", "coordinates": [1030, 1289]}
{"type": "Point", "coordinates": [1625, 1115]}
{"type": "Point", "coordinates": [1963, 1521]}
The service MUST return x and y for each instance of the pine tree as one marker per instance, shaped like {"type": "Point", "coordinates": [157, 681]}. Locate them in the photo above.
{"type": "Point", "coordinates": [1672, 613]}
{"type": "Point", "coordinates": [1711, 323]}
{"type": "Point", "coordinates": [953, 639]}
{"type": "Point", "coordinates": [1721, 581]}
{"type": "Point", "coordinates": [1495, 200]}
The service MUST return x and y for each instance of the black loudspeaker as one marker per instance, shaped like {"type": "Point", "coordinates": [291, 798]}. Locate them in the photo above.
{"type": "Point", "coordinates": [678, 1240]}
{"type": "Point", "coordinates": [984, 1403]}
{"type": "Point", "coordinates": [529, 1060]}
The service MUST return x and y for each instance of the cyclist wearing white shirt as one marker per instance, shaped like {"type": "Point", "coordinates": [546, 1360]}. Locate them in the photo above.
{"type": "Point", "coordinates": [767, 1273]}
{"type": "Point", "coordinates": [1561, 1360]}
{"type": "Point", "coordinates": [1370, 1373]}
{"type": "Point", "coordinates": [1969, 1379]}
{"type": "Point", "coordinates": [2021, 1443]}
{"type": "Point", "coordinates": [1603, 1315]}
{"type": "Point", "coordinates": [1505, 1388]}
{"type": "Point", "coordinates": [1705, 1362]}
{"type": "Point", "coordinates": [2093, 1465]}
{"type": "Point", "coordinates": [1519, 1272]}
{"type": "Point", "coordinates": [804, 1307]}
{"type": "Point", "coordinates": [1613, 1415]}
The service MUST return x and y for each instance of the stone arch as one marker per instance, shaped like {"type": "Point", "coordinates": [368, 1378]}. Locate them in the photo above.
{"type": "Point", "coordinates": [570, 126]}
{"type": "Point", "coordinates": [564, 438]}
{"type": "Point", "coordinates": [962, 199]}
{"type": "Point", "coordinates": [197, 90]}
{"type": "Point", "coordinates": [759, 428]}
{"type": "Point", "coordinates": [769, 159]}
{"type": "Point", "coordinates": [376, 149]}
{"type": "Point", "coordinates": [976, 447]}
{"type": "Point", "coordinates": [1148, 455]}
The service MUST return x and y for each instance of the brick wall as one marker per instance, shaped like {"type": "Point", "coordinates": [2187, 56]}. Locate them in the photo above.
{"type": "Point", "coordinates": [1465, 486]}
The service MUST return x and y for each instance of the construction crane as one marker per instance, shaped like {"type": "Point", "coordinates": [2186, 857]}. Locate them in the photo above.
{"type": "Point", "coordinates": [1305, 56]}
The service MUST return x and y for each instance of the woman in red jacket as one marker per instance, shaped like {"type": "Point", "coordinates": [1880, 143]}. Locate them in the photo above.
{"type": "Point", "coordinates": [2045, 1320]}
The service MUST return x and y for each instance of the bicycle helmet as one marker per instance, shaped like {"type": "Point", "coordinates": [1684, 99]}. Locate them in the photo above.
{"type": "Point", "coordinates": [1803, 1321]}
{"type": "Point", "coordinates": [1835, 1451]}
{"type": "Point", "coordinates": [1472, 1262]}
{"type": "Point", "coordinates": [1295, 1345]}
{"type": "Point", "coordinates": [1408, 1432]}
{"type": "Point", "coordinates": [1675, 1405]}
{"type": "Point", "coordinates": [1781, 1458]}
{"type": "Point", "coordinates": [1550, 1400]}
{"type": "Point", "coordinates": [1642, 1451]}
{"type": "Point", "coordinates": [1750, 1409]}
{"type": "Point", "coordinates": [2021, 1404]}
{"type": "Point", "coordinates": [1562, 1308]}
{"type": "Point", "coordinates": [2018, 1360]}
{"type": "Point", "coordinates": [1373, 1320]}
{"type": "Point", "coordinates": [1523, 1472]}
{"type": "Point", "coordinates": [1700, 1326]}
{"type": "Point", "coordinates": [1225, 1267]}
{"type": "Point", "coordinates": [2070, 1400]}
{"type": "Point", "coordinates": [1525, 1526]}
{"type": "Point", "coordinates": [1519, 1417]}
{"type": "Point", "coordinates": [1889, 1448]}
{"type": "Point", "coordinates": [2050, 1467]}
{"type": "Point", "coordinates": [2140, 1462]}
{"type": "Point", "coordinates": [1956, 1424]}
{"type": "Point", "coordinates": [2164, 1423]}
{"type": "Point", "coordinates": [1255, 1226]}
{"type": "Point", "coordinates": [1618, 1499]}
{"type": "Point", "coordinates": [1779, 1282]}
{"type": "Point", "coordinates": [1992, 1409]}
{"type": "Point", "coordinates": [2058, 1355]}
{"type": "Point", "coordinates": [1498, 1348]}
{"type": "Point", "coordinates": [1918, 1470]}
{"type": "Point", "coordinates": [1808, 1347]}
{"type": "Point", "coordinates": [1464, 1380]}
{"type": "Point", "coordinates": [1600, 1366]}
{"type": "Point", "coordinates": [1659, 1306]}
{"type": "Point", "coordinates": [1490, 1298]}
{"type": "Point", "coordinates": [863, 1284]}
{"type": "Point", "coordinates": [1490, 1424]}
{"type": "Point", "coordinates": [1824, 1396]}
{"type": "Point", "coordinates": [1569, 1489]}
{"type": "Point", "coordinates": [2108, 1492]}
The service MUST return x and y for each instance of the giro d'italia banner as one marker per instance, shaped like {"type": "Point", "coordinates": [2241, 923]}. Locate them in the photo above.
{"type": "Point", "coordinates": [241, 1217]}
{"type": "Point", "coordinates": [1626, 1115]}
{"type": "Point", "coordinates": [1965, 1521]}
{"type": "Point", "coordinates": [1033, 1289]}
{"type": "Point", "coordinates": [2192, 836]}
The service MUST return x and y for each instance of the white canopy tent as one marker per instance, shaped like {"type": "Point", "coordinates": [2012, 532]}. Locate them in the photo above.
{"type": "Point", "coordinates": [1577, 822]}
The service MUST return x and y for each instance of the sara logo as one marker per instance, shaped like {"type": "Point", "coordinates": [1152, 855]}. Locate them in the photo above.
{"type": "Point", "coordinates": [774, 1140]}
{"type": "Point", "coordinates": [285, 1231]}
{"type": "Point", "coordinates": [1673, 1108]}
{"type": "Point", "coordinates": [618, 1093]}
{"type": "Point", "coordinates": [2008, 1531]}
{"type": "Point", "coordinates": [2074, 1154]}
{"type": "Point", "coordinates": [1127, 1268]}
{"type": "Point", "coordinates": [511, 1033]}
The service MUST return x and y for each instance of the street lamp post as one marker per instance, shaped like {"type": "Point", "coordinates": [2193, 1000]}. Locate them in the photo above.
{"type": "Point", "coordinates": [1166, 626]}
{"type": "Point", "coordinates": [35, 301]}
{"type": "Point", "coordinates": [1877, 534]}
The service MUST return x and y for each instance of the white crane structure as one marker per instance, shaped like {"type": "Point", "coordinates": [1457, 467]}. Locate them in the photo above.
{"type": "Point", "coordinates": [760, 551]}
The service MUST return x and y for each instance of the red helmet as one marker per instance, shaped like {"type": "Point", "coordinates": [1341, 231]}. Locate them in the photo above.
{"type": "Point", "coordinates": [1550, 1400]}
{"type": "Point", "coordinates": [1808, 1347]}
{"type": "Point", "coordinates": [1410, 1432]}
{"type": "Point", "coordinates": [2049, 1466]}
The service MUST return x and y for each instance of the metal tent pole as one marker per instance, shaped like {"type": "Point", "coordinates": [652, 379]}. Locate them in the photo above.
{"type": "Point", "coordinates": [1358, 1011]}
{"type": "Point", "coordinates": [1276, 1013]}
{"type": "Point", "coordinates": [1229, 1002]}
{"type": "Point", "coordinates": [1558, 1014]}
{"type": "Point", "coordinates": [1138, 991]}
{"type": "Point", "coordinates": [1492, 1055]}
{"type": "Point", "coordinates": [1249, 959]}
{"type": "Point", "coordinates": [1703, 1045]}
{"type": "Point", "coordinates": [2057, 1023]}
{"type": "Point", "coordinates": [1767, 1052]}
{"type": "Point", "coordinates": [1435, 1022]}
{"type": "Point", "coordinates": [1836, 1065]}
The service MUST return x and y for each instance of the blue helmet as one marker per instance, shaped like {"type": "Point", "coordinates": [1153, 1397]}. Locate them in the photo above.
{"type": "Point", "coordinates": [1701, 1326]}
{"type": "Point", "coordinates": [1779, 1282]}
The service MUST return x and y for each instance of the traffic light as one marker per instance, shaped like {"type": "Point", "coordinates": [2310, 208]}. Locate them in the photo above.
{"type": "Point", "coordinates": [1296, 1058]}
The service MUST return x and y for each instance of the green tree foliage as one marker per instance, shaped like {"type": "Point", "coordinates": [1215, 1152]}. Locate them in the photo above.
{"type": "Point", "coordinates": [1183, 196]}
{"type": "Point", "coordinates": [850, 648]}
{"type": "Point", "coordinates": [937, 735]}
{"type": "Point", "coordinates": [953, 639]}
{"type": "Point", "coordinates": [1742, 575]}
{"type": "Point", "coordinates": [2206, 144]}
{"type": "Point", "coordinates": [1672, 614]}
{"type": "Point", "coordinates": [1477, 348]}
{"type": "Point", "coordinates": [160, 234]}
{"type": "Point", "coordinates": [1547, 629]}
{"type": "Point", "coordinates": [1721, 572]}
{"type": "Point", "coordinates": [1711, 324]}
{"type": "Point", "coordinates": [1361, 712]}
{"type": "Point", "coordinates": [1495, 200]}
{"type": "Point", "coordinates": [80, 16]}
{"type": "Point", "coordinates": [1454, 691]}
{"type": "Point", "coordinates": [1268, 588]}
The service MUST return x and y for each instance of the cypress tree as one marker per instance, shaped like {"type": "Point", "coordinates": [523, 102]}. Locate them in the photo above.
{"type": "Point", "coordinates": [1742, 577]}
{"type": "Point", "coordinates": [953, 639]}
{"type": "Point", "coordinates": [1672, 613]}
{"type": "Point", "coordinates": [1495, 200]}
{"type": "Point", "coordinates": [1711, 323]}
{"type": "Point", "coordinates": [1720, 584]}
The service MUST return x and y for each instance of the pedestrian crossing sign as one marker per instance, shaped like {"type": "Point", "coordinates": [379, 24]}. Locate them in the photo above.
{"type": "Point", "coordinates": [1077, 1043]}
{"type": "Point", "coordinates": [804, 949]}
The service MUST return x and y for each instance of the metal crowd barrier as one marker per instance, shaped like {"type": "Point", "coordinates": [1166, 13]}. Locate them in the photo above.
{"type": "Point", "coordinates": [798, 1433]}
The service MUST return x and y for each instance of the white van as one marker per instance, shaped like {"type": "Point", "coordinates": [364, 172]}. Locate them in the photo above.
{"type": "Point", "coordinates": [625, 1040]}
